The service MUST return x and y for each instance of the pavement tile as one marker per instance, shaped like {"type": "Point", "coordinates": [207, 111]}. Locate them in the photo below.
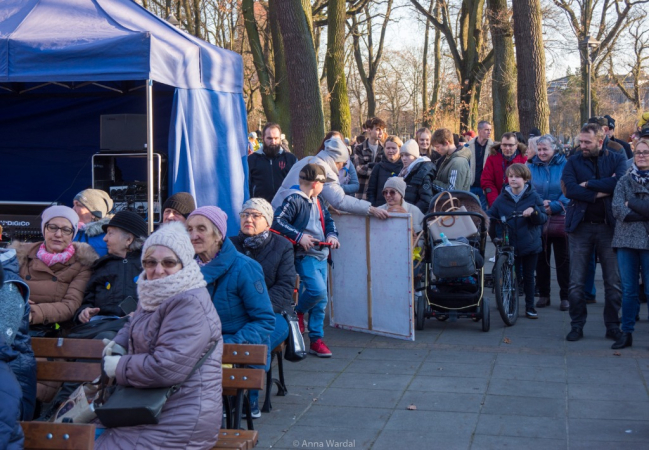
{"type": "Point", "coordinates": [463, 357]}
{"type": "Point", "coordinates": [485, 442]}
{"type": "Point", "coordinates": [519, 359]}
{"type": "Point", "coordinates": [307, 378]}
{"type": "Point", "coordinates": [460, 385]}
{"type": "Point", "coordinates": [605, 376]}
{"type": "Point", "coordinates": [391, 354]}
{"type": "Point", "coordinates": [600, 409]}
{"type": "Point", "coordinates": [578, 444]}
{"type": "Point", "coordinates": [608, 430]}
{"type": "Point", "coordinates": [284, 413]}
{"type": "Point", "coordinates": [300, 436]}
{"type": "Point", "coordinates": [596, 391]}
{"type": "Point", "coordinates": [524, 406]}
{"type": "Point", "coordinates": [529, 373]}
{"type": "Point", "coordinates": [420, 439]}
{"type": "Point", "coordinates": [527, 389]}
{"type": "Point", "coordinates": [364, 398]}
{"type": "Point", "coordinates": [528, 342]}
{"type": "Point", "coordinates": [441, 401]}
{"type": "Point", "coordinates": [300, 395]}
{"type": "Point", "coordinates": [372, 381]}
{"type": "Point", "coordinates": [345, 417]}
{"type": "Point", "coordinates": [452, 369]}
{"type": "Point", "coordinates": [521, 426]}
{"type": "Point", "coordinates": [368, 366]}
{"type": "Point", "coordinates": [612, 362]}
{"type": "Point", "coordinates": [446, 423]}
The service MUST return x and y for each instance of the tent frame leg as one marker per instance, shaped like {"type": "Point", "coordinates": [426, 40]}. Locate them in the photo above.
{"type": "Point", "coordinates": [149, 153]}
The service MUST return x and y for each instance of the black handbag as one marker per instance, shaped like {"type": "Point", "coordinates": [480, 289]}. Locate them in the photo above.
{"type": "Point", "coordinates": [128, 406]}
{"type": "Point", "coordinates": [295, 347]}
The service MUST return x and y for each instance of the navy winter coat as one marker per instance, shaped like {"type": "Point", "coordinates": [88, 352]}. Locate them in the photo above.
{"type": "Point", "coordinates": [277, 260]}
{"type": "Point", "coordinates": [266, 174]}
{"type": "Point", "coordinates": [238, 290]}
{"type": "Point", "coordinates": [546, 179]}
{"type": "Point", "coordinates": [11, 434]}
{"type": "Point", "coordinates": [419, 185]}
{"type": "Point", "coordinates": [524, 232]}
{"type": "Point", "coordinates": [24, 365]}
{"type": "Point", "coordinates": [292, 218]}
{"type": "Point", "coordinates": [601, 176]}
{"type": "Point", "coordinates": [381, 173]}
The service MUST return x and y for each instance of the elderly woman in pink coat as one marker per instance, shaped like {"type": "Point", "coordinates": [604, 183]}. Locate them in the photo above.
{"type": "Point", "coordinates": [174, 326]}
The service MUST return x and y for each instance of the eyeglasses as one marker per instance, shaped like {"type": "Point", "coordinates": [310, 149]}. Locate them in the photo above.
{"type": "Point", "coordinates": [166, 263]}
{"type": "Point", "coordinates": [390, 192]}
{"type": "Point", "coordinates": [642, 154]}
{"type": "Point", "coordinates": [255, 216]}
{"type": "Point", "coordinates": [508, 145]}
{"type": "Point", "coordinates": [67, 231]}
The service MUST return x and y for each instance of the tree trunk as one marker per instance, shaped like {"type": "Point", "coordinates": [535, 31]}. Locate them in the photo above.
{"type": "Point", "coordinates": [533, 108]}
{"type": "Point", "coordinates": [282, 96]}
{"type": "Point", "coordinates": [438, 62]}
{"type": "Point", "coordinates": [307, 117]}
{"type": "Point", "coordinates": [341, 119]}
{"type": "Point", "coordinates": [504, 71]}
{"type": "Point", "coordinates": [424, 73]}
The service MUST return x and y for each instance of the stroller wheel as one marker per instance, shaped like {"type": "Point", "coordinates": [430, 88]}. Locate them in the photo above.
{"type": "Point", "coordinates": [420, 312]}
{"type": "Point", "coordinates": [442, 318]}
{"type": "Point", "coordinates": [486, 322]}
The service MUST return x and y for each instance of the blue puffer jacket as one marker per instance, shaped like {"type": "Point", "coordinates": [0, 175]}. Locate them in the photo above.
{"type": "Point", "coordinates": [546, 179]}
{"type": "Point", "coordinates": [524, 232]}
{"type": "Point", "coordinates": [94, 234]}
{"type": "Point", "coordinates": [24, 366]}
{"type": "Point", "coordinates": [238, 290]}
{"type": "Point", "coordinates": [11, 434]}
{"type": "Point", "coordinates": [601, 176]}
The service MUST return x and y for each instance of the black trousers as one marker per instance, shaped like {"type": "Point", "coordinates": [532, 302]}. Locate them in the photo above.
{"type": "Point", "coordinates": [561, 265]}
{"type": "Point", "coordinates": [525, 267]}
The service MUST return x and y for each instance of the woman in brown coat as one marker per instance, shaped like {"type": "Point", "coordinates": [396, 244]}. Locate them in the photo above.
{"type": "Point", "coordinates": [174, 326]}
{"type": "Point", "coordinates": [56, 270]}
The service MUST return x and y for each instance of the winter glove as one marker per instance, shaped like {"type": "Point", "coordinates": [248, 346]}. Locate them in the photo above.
{"type": "Point", "coordinates": [110, 365]}
{"type": "Point", "coordinates": [111, 347]}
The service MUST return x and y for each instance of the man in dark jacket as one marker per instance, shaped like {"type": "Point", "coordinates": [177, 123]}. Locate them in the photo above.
{"type": "Point", "coordinates": [268, 166]}
{"type": "Point", "coordinates": [611, 137]}
{"type": "Point", "coordinates": [589, 180]}
{"type": "Point", "coordinates": [367, 154]}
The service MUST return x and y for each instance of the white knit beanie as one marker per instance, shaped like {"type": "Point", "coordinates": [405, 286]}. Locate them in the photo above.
{"type": "Point", "coordinates": [174, 236]}
{"type": "Point", "coordinates": [410, 147]}
{"type": "Point", "coordinates": [261, 205]}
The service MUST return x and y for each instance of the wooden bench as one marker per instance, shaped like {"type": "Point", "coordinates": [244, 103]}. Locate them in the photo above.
{"type": "Point", "coordinates": [48, 435]}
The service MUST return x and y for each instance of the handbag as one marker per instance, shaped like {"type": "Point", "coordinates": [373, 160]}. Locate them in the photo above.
{"type": "Point", "coordinates": [555, 226]}
{"type": "Point", "coordinates": [128, 406]}
{"type": "Point", "coordinates": [453, 227]}
{"type": "Point", "coordinates": [453, 261]}
{"type": "Point", "coordinates": [295, 347]}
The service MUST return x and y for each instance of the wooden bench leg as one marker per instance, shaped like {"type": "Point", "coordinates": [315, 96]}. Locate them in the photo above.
{"type": "Point", "coordinates": [269, 384]}
{"type": "Point", "coordinates": [270, 381]}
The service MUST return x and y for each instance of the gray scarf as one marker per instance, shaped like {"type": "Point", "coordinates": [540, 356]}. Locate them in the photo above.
{"type": "Point", "coordinates": [151, 293]}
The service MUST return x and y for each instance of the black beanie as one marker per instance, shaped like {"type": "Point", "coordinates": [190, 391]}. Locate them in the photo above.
{"type": "Point", "coordinates": [129, 221]}
{"type": "Point", "coordinates": [183, 202]}
{"type": "Point", "coordinates": [535, 132]}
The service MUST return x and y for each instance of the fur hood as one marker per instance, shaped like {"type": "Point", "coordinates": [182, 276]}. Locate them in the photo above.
{"type": "Point", "coordinates": [495, 149]}
{"type": "Point", "coordinates": [95, 228]}
{"type": "Point", "coordinates": [84, 253]}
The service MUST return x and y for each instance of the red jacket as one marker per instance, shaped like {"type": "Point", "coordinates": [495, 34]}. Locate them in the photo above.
{"type": "Point", "coordinates": [493, 175]}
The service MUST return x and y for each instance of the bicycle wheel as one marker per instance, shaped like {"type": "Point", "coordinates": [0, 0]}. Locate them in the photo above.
{"type": "Point", "coordinates": [506, 289]}
{"type": "Point", "coordinates": [420, 311]}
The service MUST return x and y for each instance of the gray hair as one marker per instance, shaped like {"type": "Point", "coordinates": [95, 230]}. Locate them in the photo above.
{"type": "Point", "coordinates": [549, 140]}
{"type": "Point", "coordinates": [137, 244]}
{"type": "Point", "coordinates": [483, 123]}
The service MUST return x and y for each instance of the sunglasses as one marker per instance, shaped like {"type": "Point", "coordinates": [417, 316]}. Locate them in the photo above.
{"type": "Point", "coordinates": [390, 192]}
{"type": "Point", "coordinates": [67, 231]}
{"type": "Point", "coordinates": [166, 263]}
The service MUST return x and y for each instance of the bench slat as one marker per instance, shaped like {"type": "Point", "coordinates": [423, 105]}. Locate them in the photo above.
{"type": "Point", "coordinates": [79, 436]}
{"type": "Point", "coordinates": [69, 348]}
{"type": "Point", "coordinates": [67, 371]}
{"type": "Point", "coordinates": [234, 379]}
{"type": "Point", "coordinates": [236, 354]}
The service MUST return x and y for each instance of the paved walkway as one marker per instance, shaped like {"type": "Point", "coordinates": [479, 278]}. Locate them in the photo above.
{"type": "Point", "coordinates": [455, 387]}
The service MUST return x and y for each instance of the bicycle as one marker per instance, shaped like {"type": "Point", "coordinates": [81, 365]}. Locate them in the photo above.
{"type": "Point", "coordinates": [504, 274]}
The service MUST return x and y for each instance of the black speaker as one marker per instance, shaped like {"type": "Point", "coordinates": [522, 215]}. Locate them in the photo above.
{"type": "Point", "coordinates": [122, 133]}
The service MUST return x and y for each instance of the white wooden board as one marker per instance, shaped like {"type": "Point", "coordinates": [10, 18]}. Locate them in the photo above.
{"type": "Point", "coordinates": [383, 302]}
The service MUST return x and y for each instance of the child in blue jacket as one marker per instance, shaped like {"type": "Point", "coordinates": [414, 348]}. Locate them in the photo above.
{"type": "Point", "coordinates": [303, 219]}
{"type": "Point", "coordinates": [519, 197]}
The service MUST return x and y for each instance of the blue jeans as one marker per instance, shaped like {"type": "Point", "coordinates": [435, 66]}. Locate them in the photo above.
{"type": "Point", "coordinates": [480, 194]}
{"type": "Point", "coordinates": [279, 335]}
{"type": "Point", "coordinates": [589, 289]}
{"type": "Point", "coordinates": [583, 242]}
{"type": "Point", "coordinates": [313, 293]}
{"type": "Point", "coordinates": [631, 262]}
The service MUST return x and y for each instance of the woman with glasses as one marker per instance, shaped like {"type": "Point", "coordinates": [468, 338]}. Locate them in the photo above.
{"type": "Point", "coordinates": [394, 191]}
{"type": "Point", "coordinates": [631, 237]}
{"type": "Point", "coordinates": [174, 327]}
{"type": "Point", "coordinates": [277, 259]}
{"type": "Point", "coordinates": [501, 155]}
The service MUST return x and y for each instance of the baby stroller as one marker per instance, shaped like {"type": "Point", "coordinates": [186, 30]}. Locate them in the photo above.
{"type": "Point", "coordinates": [450, 279]}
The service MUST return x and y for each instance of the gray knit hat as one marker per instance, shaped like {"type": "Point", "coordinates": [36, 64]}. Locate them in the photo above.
{"type": "Point", "coordinates": [397, 184]}
{"type": "Point", "coordinates": [337, 149]}
{"type": "Point", "coordinates": [174, 236]}
{"type": "Point", "coordinates": [261, 205]}
{"type": "Point", "coordinates": [410, 147]}
{"type": "Point", "coordinates": [97, 201]}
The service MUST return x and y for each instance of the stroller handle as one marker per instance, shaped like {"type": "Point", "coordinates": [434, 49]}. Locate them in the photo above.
{"type": "Point", "coordinates": [430, 215]}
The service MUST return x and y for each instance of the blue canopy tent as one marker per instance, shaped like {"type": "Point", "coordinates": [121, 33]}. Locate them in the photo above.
{"type": "Point", "coordinates": [63, 63]}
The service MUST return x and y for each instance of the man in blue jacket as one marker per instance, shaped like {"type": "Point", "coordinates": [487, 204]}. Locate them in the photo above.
{"type": "Point", "coordinates": [589, 180]}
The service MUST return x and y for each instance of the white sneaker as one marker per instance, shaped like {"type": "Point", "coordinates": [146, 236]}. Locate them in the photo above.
{"type": "Point", "coordinates": [492, 259]}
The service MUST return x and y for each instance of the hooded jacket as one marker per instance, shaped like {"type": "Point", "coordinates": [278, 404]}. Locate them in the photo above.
{"type": "Point", "coordinates": [602, 174]}
{"type": "Point", "coordinates": [277, 260]}
{"type": "Point", "coordinates": [163, 346]}
{"type": "Point", "coordinates": [11, 434]}
{"type": "Point", "coordinates": [332, 191]}
{"type": "Point", "coordinates": [113, 279]}
{"type": "Point", "coordinates": [419, 183]}
{"type": "Point", "coordinates": [632, 221]}
{"type": "Point", "coordinates": [57, 290]}
{"type": "Point", "coordinates": [93, 234]}
{"type": "Point", "coordinates": [546, 179]}
{"type": "Point", "coordinates": [24, 365]}
{"type": "Point", "coordinates": [493, 176]}
{"type": "Point", "coordinates": [454, 173]}
{"type": "Point", "coordinates": [524, 232]}
{"type": "Point", "coordinates": [265, 174]}
{"type": "Point", "coordinates": [380, 174]}
{"type": "Point", "coordinates": [238, 290]}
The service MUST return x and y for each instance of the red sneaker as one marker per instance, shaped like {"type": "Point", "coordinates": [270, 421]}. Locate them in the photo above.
{"type": "Point", "coordinates": [319, 349]}
{"type": "Point", "coordinates": [300, 321]}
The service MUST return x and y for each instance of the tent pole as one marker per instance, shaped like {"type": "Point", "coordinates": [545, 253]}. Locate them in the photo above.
{"type": "Point", "coordinates": [149, 152]}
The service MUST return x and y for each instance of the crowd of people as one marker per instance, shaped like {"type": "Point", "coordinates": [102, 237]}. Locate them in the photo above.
{"type": "Point", "coordinates": [99, 274]}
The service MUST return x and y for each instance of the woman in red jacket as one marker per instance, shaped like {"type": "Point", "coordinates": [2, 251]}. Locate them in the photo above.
{"type": "Point", "coordinates": [509, 151]}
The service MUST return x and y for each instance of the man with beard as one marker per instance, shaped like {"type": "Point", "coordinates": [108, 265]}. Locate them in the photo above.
{"type": "Point", "coordinates": [268, 166]}
{"type": "Point", "coordinates": [589, 180]}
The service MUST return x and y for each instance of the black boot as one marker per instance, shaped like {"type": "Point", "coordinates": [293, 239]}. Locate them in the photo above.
{"type": "Point", "coordinates": [626, 340]}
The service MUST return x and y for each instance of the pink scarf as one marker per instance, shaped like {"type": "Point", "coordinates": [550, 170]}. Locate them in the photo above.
{"type": "Point", "coordinates": [54, 258]}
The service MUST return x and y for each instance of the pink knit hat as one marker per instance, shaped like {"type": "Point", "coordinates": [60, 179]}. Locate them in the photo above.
{"type": "Point", "coordinates": [60, 211]}
{"type": "Point", "coordinates": [215, 215]}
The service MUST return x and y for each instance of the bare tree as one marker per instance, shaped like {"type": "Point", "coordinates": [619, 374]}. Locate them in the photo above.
{"type": "Point", "coordinates": [640, 41]}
